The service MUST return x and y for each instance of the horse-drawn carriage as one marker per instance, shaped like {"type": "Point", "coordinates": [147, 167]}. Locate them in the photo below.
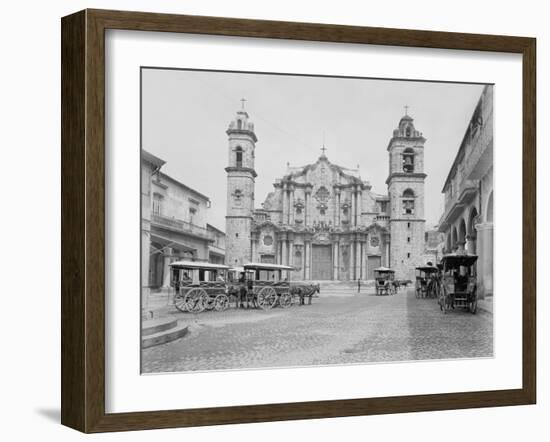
{"type": "Point", "coordinates": [199, 286]}
{"type": "Point", "coordinates": [384, 279]}
{"type": "Point", "coordinates": [458, 286]}
{"type": "Point", "coordinates": [427, 281]}
{"type": "Point", "coordinates": [267, 285]}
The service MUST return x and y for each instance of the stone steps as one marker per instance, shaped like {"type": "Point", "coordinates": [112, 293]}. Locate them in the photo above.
{"type": "Point", "coordinates": [155, 326]}
{"type": "Point", "coordinates": [344, 288]}
{"type": "Point", "coordinates": [161, 331]}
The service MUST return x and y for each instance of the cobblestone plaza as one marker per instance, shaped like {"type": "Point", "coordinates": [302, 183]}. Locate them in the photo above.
{"type": "Point", "coordinates": [333, 330]}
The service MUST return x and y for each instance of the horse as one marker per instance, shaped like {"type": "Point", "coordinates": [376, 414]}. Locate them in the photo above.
{"type": "Point", "coordinates": [241, 294]}
{"type": "Point", "coordinates": [305, 290]}
{"type": "Point", "coordinates": [398, 283]}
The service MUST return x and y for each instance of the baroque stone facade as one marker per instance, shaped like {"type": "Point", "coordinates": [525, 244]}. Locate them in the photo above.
{"type": "Point", "coordinates": [324, 219]}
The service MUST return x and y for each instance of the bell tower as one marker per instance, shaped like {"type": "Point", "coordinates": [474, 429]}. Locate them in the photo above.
{"type": "Point", "coordinates": [406, 191]}
{"type": "Point", "coordinates": [240, 188]}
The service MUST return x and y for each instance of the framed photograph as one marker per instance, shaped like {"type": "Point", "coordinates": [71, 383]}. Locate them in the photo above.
{"type": "Point", "coordinates": [267, 221]}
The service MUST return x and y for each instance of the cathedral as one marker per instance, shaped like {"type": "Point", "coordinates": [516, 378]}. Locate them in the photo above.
{"type": "Point", "coordinates": [324, 219]}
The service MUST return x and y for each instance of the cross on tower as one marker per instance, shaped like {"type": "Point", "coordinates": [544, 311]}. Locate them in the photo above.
{"type": "Point", "coordinates": [323, 149]}
{"type": "Point", "coordinates": [406, 109]}
{"type": "Point", "coordinates": [243, 100]}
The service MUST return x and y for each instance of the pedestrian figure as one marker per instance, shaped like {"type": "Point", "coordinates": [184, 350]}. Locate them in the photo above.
{"type": "Point", "coordinates": [358, 286]}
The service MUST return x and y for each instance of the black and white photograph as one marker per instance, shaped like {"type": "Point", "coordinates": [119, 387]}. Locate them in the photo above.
{"type": "Point", "coordinates": [304, 220]}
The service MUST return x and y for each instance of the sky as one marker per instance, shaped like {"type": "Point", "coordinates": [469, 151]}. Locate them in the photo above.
{"type": "Point", "coordinates": [185, 115]}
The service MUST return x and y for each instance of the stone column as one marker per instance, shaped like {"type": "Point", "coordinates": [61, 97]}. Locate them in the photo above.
{"type": "Point", "coordinates": [335, 252]}
{"type": "Point", "coordinates": [284, 253]}
{"type": "Point", "coordinates": [338, 208]}
{"type": "Point", "coordinates": [291, 207]}
{"type": "Point", "coordinates": [285, 204]}
{"type": "Point", "coordinates": [310, 208]}
{"type": "Point", "coordinates": [364, 260]}
{"type": "Point", "coordinates": [352, 217]}
{"type": "Point", "coordinates": [485, 270]}
{"type": "Point", "coordinates": [304, 261]}
{"type": "Point", "coordinates": [352, 260]}
{"type": "Point", "coordinates": [291, 252]}
{"type": "Point", "coordinates": [386, 240]}
{"type": "Point", "coordinates": [306, 208]}
{"type": "Point", "coordinates": [308, 259]}
{"type": "Point", "coordinates": [358, 259]}
{"type": "Point", "coordinates": [168, 258]}
{"type": "Point", "coordinates": [359, 206]}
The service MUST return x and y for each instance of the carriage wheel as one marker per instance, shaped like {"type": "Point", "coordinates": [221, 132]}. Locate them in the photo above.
{"type": "Point", "coordinates": [196, 300]}
{"type": "Point", "coordinates": [285, 300]}
{"type": "Point", "coordinates": [221, 303]}
{"type": "Point", "coordinates": [179, 302]}
{"type": "Point", "coordinates": [267, 297]}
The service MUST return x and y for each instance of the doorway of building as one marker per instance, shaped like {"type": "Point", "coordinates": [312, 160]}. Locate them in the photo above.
{"type": "Point", "coordinates": [373, 262]}
{"type": "Point", "coordinates": [321, 262]}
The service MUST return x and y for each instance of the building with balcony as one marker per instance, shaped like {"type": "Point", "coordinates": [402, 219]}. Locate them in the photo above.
{"type": "Point", "coordinates": [467, 221]}
{"type": "Point", "coordinates": [150, 165]}
{"type": "Point", "coordinates": [216, 249]}
{"type": "Point", "coordinates": [177, 221]}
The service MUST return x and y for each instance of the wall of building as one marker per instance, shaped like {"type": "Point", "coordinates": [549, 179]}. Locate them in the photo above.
{"type": "Point", "coordinates": [238, 246]}
{"type": "Point", "coordinates": [468, 224]}
{"type": "Point", "coordinates": [407, 247]}
{"type": "Point", "coordinates": [178, 200]}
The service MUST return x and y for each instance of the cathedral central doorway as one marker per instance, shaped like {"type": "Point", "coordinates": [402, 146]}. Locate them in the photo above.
{"type": "Point", "coordinates": [321, 262]}
{"type": "Point", "coordinates": [373, 262]}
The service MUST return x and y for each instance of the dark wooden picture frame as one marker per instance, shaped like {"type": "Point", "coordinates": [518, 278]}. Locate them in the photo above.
{"type": "Point", "coordinates": [83, 220]}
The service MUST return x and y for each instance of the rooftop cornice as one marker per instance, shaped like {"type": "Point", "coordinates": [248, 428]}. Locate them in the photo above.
{"type": "Point", "coordinates": [248, 133]}
{"type": "Point", "coordinates": [241, 169]}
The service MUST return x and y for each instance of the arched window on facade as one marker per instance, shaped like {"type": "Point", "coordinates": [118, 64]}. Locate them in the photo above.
{"type": "Point", "coordinates": [408, 202]}
{"type": "Point", "coordinates": [239, 124]}
{"type": "Point", "coordinates": [239, 156]}
{"type": "Point", "coordinates": [408, 160]}
{"type": "Point", "coordinates": [408, 131]}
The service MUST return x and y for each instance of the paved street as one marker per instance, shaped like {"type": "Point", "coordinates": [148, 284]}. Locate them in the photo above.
{"type": "Point", "coordinates": [333, 330]}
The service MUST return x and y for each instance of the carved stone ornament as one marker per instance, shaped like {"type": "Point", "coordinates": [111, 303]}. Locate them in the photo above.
{"type": "Point", "coordinates": [322, 195]}
{"type": "Point", "coordinates": [238, 197]}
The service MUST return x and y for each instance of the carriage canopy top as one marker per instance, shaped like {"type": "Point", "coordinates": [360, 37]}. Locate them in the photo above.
{"type": "Point", "coordinates": [239, 269]}
{"type": "Point", "coordinates": [266, 266]}
{"type": "Point", "coordinates": [428, 269]}
{"type": "Point", "coordinates": [455, 260]}
{"type": "Point", "coordinates": [384, 270]}
{"type": "Point", "coordinates": [198, 265]}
